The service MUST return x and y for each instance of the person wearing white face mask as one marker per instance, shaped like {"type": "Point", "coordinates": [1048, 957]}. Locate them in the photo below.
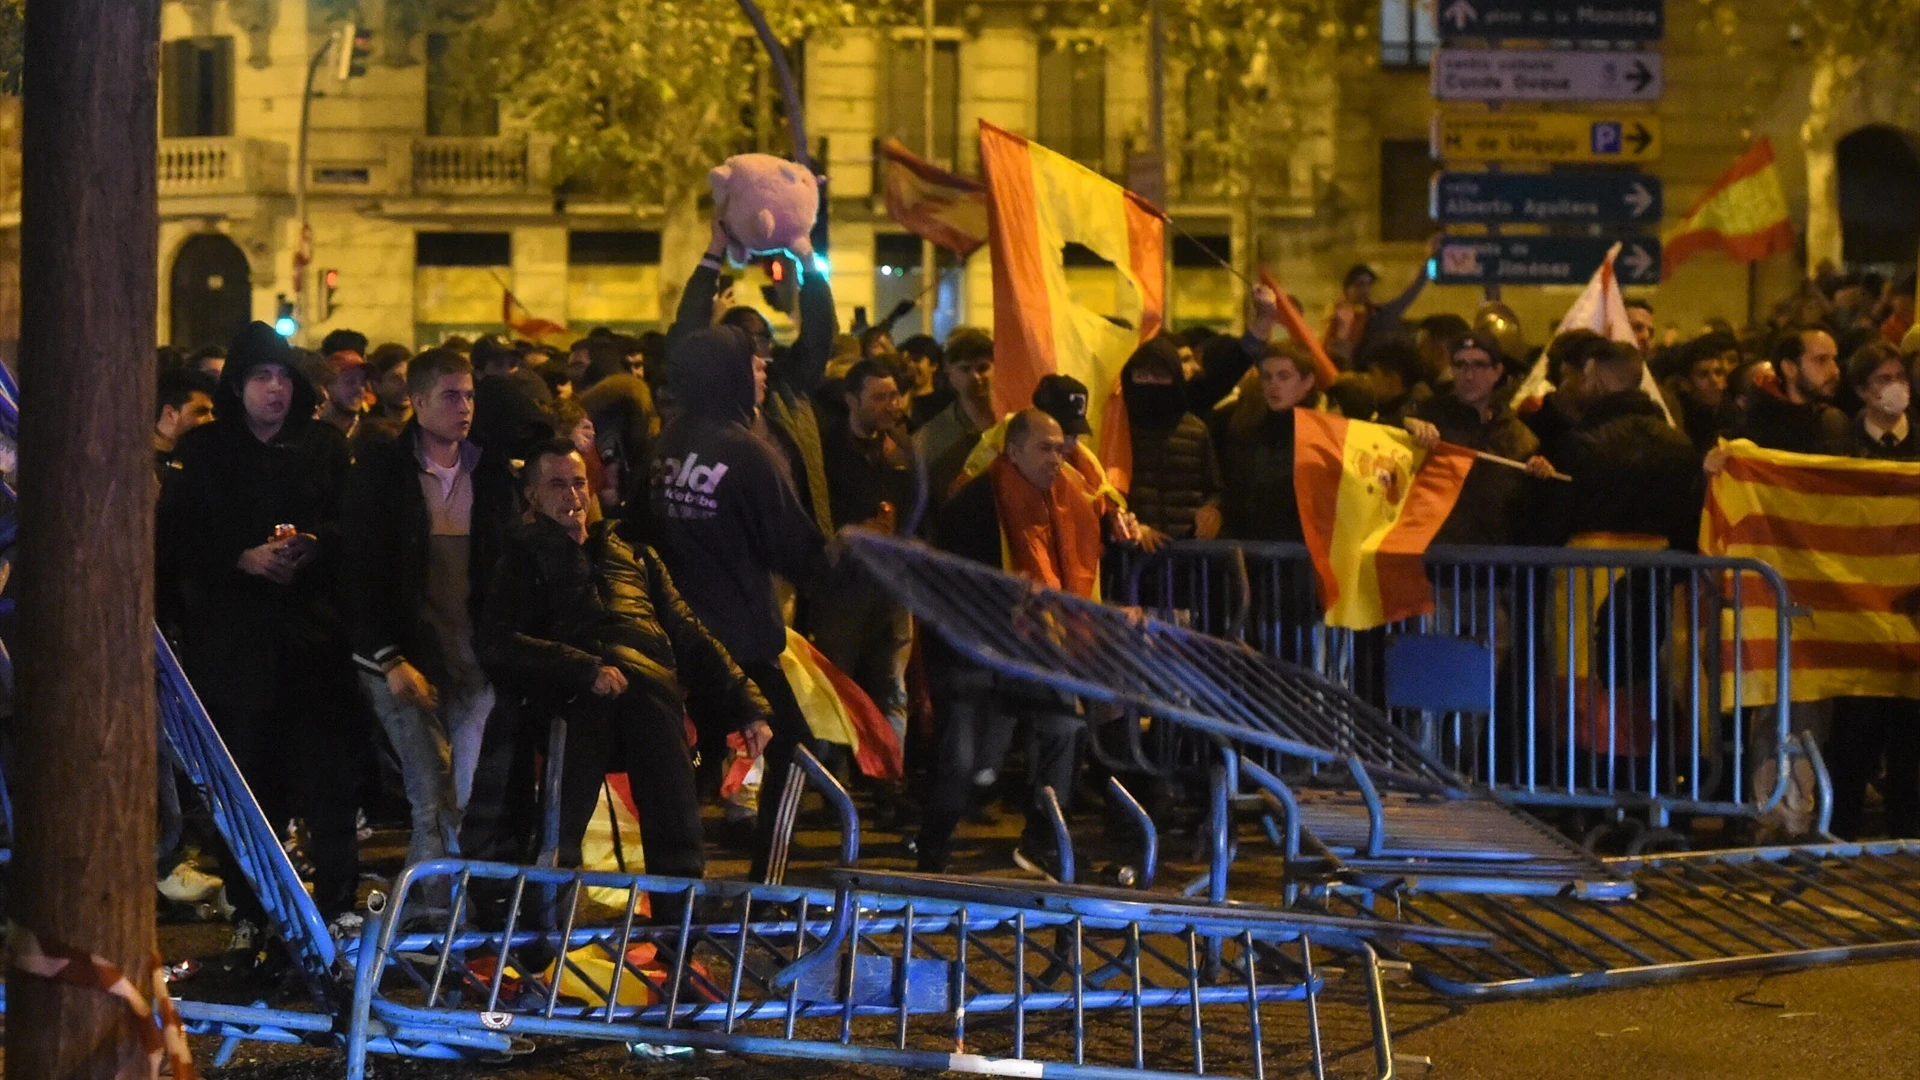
{"type": "Point", "coordinates": [1868, 729]}
{"type": "Point", "coordinates": [1884, 427]}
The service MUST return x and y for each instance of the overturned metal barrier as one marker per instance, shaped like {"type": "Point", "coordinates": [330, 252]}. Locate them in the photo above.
{"type": "Point", "coordinates": [1350, 785]}
{"type": "Point", "coordinates": [1558, 677]}
{"type": "Point", "coordinates": [1696, 913]}
{"type": "Point", "coordinates": [885, 969]}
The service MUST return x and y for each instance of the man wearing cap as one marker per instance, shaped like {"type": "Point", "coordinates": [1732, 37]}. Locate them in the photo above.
{"type": "Point", "coordinates": [1064, 398]}
{"type": "Point", "coordinates": [1356, 319]}
{"type": "Point", "coordinates": [1027, 514]}
{"type": "Point", "coordinates": [1475, 410]}
{"type": "Point", "coordinates": [250, 521]}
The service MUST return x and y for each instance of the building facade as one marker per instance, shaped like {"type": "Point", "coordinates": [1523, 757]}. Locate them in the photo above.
{"type": "Point", "coordinates": [426, 211]}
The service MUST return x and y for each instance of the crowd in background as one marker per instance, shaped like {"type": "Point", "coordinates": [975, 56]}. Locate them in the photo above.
{"type": "Point", "coordinates": [380, 563]}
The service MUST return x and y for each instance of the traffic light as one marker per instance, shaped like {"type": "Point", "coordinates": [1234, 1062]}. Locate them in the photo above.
{"type": "Point", "coordinates": [352, 45]}
{"type": "Point", "coordinates": [780, 295]}
{"type": "Point", "coordinates": [329, 282]}
{"type": "Point", "coordinates": [284, 322]}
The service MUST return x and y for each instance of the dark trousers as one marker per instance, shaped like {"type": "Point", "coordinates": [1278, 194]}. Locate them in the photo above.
{"type": "Point", "coordinates": [286, 709]}
{"type": "Point", "coordinates": [627, 735]}
{"type": "Point", "coordinates": [1866, 729]}
{"type": "Point", "coordinates": [974, 722]}
{"type": "Point", "coordinates": [790, 732]}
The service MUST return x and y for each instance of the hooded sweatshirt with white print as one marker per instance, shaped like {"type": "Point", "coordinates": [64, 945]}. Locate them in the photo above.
{"type": "Point", "coordinates": [726, 516]}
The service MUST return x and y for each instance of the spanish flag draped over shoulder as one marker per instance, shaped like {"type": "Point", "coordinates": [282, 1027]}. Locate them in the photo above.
{"type": "Point", "coordinates": [1845, 534]}
{"type": "Point", "coordinates": [1743, 214]}
{"type": "Point", "coordinates": [1370, 503]}
{"type": "Point", "coordinates": [1039, 203]}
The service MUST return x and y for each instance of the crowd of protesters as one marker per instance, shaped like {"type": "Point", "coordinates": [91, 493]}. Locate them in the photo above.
{"type": "Point", "coordinates": [382, 562]}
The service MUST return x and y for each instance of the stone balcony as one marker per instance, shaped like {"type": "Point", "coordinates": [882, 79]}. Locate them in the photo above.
{"type": "Point", "coordinates": [462, 165]}
{"type": "Point", "coordinates": [224, 165]}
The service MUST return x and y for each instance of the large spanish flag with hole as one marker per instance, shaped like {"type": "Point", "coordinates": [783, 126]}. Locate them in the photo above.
{"type": "Point", "coordinates": [1845, 534]}
{"type": "Point", "coordinates": [1743, 214]}
{"type": "Point", "coordinates": [1039, 203]}
{"type": "Point", "coordinates": [1370, 503]}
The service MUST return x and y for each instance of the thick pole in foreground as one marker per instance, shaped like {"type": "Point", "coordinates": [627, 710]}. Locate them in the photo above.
{"type": "Point", "coordinates": [83, 869]}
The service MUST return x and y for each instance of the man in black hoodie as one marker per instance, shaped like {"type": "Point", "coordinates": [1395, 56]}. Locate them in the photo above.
{"type": "Point", "coordinates": [726, 518]}
{"type": "Point", "coordinates": [788, 417]}
{"type": "Point", "coordinates": [250, 520]}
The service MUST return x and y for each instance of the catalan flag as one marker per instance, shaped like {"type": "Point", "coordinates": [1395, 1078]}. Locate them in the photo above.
{"type": "Point", "coordinates": [1845, 534]}
{"type": "Point", "coordinates": [932, 203]}
{"type": "Point", "coordinates": [1370, 503]}
{"type": "Point", "coordinates": [1743, 214]}
{"type": "Point", "coordinates": [1041, 202]}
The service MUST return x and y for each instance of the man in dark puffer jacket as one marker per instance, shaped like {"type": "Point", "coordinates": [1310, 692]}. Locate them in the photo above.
{"type": "Point", "coordinates": [1633, 472]}
{"type": "Point", "coordinates": [1176, 485]}
{"type": "Point", "coordinates": [594, 631]}
{"type": "Point", "coordinates": [1475, 411]}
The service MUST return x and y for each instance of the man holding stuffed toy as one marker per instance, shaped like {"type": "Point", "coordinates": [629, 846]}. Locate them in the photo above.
{"type": "Point", "coordinates": [761, 209]}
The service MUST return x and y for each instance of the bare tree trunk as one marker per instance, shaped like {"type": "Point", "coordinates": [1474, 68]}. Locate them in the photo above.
{"type": "Point", "coordinates": [84, 730]}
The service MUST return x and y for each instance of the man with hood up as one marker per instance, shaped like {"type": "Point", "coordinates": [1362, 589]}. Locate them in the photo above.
{"type": "Point", "coordinates": [726, 518]}
{"type": "Point", "coordinates": [249, 517]}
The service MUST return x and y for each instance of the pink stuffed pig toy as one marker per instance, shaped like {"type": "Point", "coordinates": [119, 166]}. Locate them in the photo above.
{"type": "Point", "coordinates": [764, 204]}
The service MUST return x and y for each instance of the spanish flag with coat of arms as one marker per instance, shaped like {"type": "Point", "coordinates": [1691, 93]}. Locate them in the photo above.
{"type": "Point", "coordinates": [1370, 502]}
{"type": "Point", "coordinates": [1041, 201]}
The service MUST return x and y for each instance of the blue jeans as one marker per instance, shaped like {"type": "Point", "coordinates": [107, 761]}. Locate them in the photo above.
{"type": "Point", "coordinates": [438, 751]}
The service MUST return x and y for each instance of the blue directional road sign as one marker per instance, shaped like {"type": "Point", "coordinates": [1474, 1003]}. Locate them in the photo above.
{"type": "Point", "coordinates": [1592, 197]}
{"type": "Point", "coordinates": [1542, 260]}
{"type": "Point", "coordinates": [1578, 20]}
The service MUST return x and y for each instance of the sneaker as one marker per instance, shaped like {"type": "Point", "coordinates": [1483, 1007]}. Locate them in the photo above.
{"type": "Point", "coordinates": [1036, 861]}
{"type": "Point", "coordinates": [188, 885]}
{"type": "Point", "coordinates": [246, 938]}
{"type": "Point", "coordinates": [347, 924]}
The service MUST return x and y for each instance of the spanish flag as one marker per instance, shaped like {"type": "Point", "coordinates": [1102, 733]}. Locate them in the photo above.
{"type": "Point", "coordinates": [1845, 534]}
{"type": "Point", "coordinates": [1325, 371]}
{"type": "Point", "coordinates": [1370, 503]}
{"type": "Point", "coordinates": [932, 203]}
{"type": "Point", "coordinates": [1743, 214]}
{"type": "Point", "coordinates": [1039, 203]}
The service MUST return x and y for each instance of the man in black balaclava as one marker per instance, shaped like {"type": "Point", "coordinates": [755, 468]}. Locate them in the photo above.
{"type": "Point", "coordinates": [1176, 486]}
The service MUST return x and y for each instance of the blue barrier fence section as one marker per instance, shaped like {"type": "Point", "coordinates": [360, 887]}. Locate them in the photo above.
{"type": "Point", "coordinates": [881, 969]}
{"type": "Point", "coordinates": [1694, 913]}
{"type": "Point", "coordinates": [1557, 677]}
{"type": "Point", "coordinates": [1365, 793]}
{"type": "Point", "coordinates": [255, 845]}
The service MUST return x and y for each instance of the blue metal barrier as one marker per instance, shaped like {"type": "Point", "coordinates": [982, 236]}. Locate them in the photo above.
{"type": "Point", "coordinates": [1694, 913]}
{"type": "Point", "coordinates": [885, 969]}
{"type": "Point", "coordinates": [1374, 801]}
{"type": "Point", "coordinates": [1557, 677]}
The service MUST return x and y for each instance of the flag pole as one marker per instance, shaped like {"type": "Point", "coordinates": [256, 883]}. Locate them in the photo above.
{"type": "Point", "coordinates": [1510, 463]}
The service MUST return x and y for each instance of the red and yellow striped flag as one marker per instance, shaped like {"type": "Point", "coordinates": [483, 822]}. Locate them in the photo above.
{"type": "Point", "coordinates": [1743, 214]}
{"type": "Point", "coordinates": [1370, 503]}
{"type": "Point", "coordinates": [1845, 534]}
{"type": "Point", "coordinates": [1041, 202]}
{"type": "Point", "coordinates": [932, 203]}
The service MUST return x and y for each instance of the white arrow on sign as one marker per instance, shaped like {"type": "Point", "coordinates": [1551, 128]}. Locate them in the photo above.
{"type": "Point", "coordinates": [1639, 199]}
{"type": "Point", "coordinates": [1460, 13]}
{"type": "Point", "coordinates": [1638, 261]}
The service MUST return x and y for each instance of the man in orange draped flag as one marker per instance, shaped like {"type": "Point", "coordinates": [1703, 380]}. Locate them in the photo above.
{"type": "Point", "coordinates": [1031, 516]}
